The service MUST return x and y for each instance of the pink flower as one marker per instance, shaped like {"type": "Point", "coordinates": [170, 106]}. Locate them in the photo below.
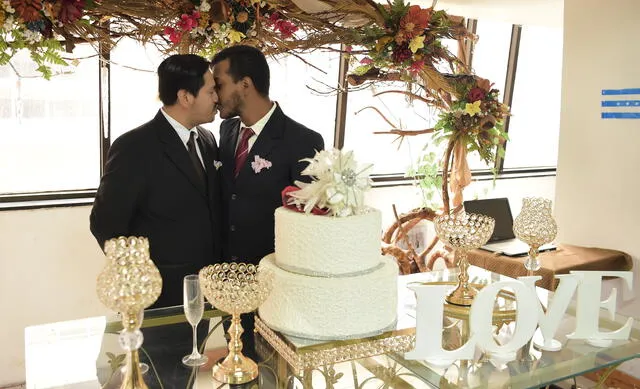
{"type": "Point", "coordinates": [274, 17]}
{"type": "Point", "coordinates": [366, 61]}
{"type": "Point", "coordinates": [174, 35]}
{"type": "Point", "coordinates": [286, 28]}
{"type": "Point", "coordinates": [187, 23]}
{"type": "Point", "coordinates": [260, 163]}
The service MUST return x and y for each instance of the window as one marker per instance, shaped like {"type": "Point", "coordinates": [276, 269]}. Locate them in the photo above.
{"type": "Point", "coordinates": [134, 85]}
{"type": "Point", "coordinates": [390, 157]}
{"type": "Point", "coordinates": [380, 149]}
{"type": "Point", "coordinates": [49, 129]}
{"type": "Point", "coordinates": [306, 91]}
{"type": "Point", "coordinates": [535, 122]}
{"type": "Point", "coordinates": [490, 59]}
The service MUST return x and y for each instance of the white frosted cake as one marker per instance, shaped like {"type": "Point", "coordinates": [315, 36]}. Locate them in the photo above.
{"type": "Point", "coordinates": [330, 280]}
{"type": "Point", "coordinates": [325, 245]}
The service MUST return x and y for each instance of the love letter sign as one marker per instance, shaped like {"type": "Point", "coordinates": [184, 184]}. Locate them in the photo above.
{"type": "Point", "coordinates": [529, 315]}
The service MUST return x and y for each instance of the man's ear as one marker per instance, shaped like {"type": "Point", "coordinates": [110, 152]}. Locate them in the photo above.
{"type": "Point", "coordinates": [247, 83]}
{"type": "Point", "coordinates": [184, 98]}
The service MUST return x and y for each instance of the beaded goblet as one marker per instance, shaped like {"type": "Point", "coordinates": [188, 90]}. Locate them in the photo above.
{"type": "Point", "coordinates": [235, 288]}
{"type": "Point", "coordinates": [535, 226]}
{"type": "Point", "coordinates": [463, 231]}
{"type": "Point", "coordinates": [128, 284]}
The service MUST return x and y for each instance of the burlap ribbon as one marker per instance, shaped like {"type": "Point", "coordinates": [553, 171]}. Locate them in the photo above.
{"type": "Point", "coordinates": [460, 173]}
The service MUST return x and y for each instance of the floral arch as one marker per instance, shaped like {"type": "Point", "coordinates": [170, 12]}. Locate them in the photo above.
{"type": "Point", "coordinates": [385, 41]}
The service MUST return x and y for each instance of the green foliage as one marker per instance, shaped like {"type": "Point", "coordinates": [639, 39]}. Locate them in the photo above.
{"type": "Point", "coordinates": [44, 53]}
{"type": "Point", "coordinates": [362, 69]}
{"type": "Point", "coordinates": [427, 177]}
{"type": "Point", "coordinates": [394, 13]}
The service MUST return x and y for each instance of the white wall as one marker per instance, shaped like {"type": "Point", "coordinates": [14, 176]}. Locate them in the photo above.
{"type": "Point", "coordinates": [48, 267]}
{"type": "Point", "coordinates": [598, 179]}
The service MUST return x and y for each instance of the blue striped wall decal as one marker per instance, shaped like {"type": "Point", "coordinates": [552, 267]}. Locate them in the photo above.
{"type": "Point", "coordinates": [620, 115]}
{"type": "Point", "coordinates": [627, 91]}
{"type": "Point", "coordinates": [620, 103]}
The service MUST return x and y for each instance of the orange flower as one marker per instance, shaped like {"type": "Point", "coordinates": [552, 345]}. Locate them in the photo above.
{"type": "Point", "coordinates": [242, 17]}
{"type": "Point", "coordinates": [413, 23]}
{"type": "Point", "coordinates": [27, 10]}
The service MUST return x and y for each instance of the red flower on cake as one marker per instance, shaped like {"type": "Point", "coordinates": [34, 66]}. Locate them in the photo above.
{"type": "Point", "coordinates": [287, 202]}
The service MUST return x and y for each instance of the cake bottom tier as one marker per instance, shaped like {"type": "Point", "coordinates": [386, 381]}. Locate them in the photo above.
{"type": "Point", "coordinates": [331, 308]}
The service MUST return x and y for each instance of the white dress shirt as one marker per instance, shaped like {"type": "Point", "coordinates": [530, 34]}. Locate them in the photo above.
{"type": "Point", "coordinates": [257, 127]}
{"type": "Point", "coordinates": [183, 133]}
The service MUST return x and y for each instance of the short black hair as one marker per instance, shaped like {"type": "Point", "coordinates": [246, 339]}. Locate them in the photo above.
{"type": "Point", "coordinates": [181, 71]}
{"type": "Point", "coordinates": [246, 61]}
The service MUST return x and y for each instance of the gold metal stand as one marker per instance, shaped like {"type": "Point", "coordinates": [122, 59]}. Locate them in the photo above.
{"type": "Point", "coordinates": [464, 293]}
{"type": "Point", "coordinates": [133, 376]}
{"type": "Point", "coordinates": [236, 368]}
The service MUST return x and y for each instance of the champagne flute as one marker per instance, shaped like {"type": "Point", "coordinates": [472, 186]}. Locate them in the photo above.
{"type": "Point", "coordinates": [193, 310]}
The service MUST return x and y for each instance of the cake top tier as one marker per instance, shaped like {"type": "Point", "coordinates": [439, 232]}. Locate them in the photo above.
{"type": "Point", "coordinates": [337, 186]}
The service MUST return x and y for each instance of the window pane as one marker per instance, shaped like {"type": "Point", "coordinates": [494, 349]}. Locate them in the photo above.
{"type": "Point", "coordinates": [389, 156]}
{"type": "Point", "coordinates": [300, 90]}
{"type": "Point", "coordinates": [134, 85]}
{"type": "Point", "coordinates": [133, 64]}
{"type": "Point", "coordinates": [535, 122]}
{"type": "Point", "coordinates": [49, 129]}
{"type": "Point", "coordinates": [490, 59]}
{"type": "Point", "coordinates": [380, 149]}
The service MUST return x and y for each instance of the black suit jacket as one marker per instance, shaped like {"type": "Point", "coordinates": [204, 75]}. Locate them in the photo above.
{"type": "Point", "coordinates": [150, 188]}
{"type": "Point", "coordinates": [251, 199]}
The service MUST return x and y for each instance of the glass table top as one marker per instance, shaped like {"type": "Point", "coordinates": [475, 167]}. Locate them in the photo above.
{"type": "Point", "coordinates": [531, 369]}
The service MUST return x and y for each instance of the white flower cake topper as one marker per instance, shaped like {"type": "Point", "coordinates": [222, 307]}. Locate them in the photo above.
{"type": "Point", "coordinates": [338, 185]}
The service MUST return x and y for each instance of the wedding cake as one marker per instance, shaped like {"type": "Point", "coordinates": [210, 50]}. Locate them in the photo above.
{"type": "Point", "coordinates": [330, 280]}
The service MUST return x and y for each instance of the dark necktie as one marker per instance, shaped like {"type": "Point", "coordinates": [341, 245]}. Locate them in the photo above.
{"type": "Point", "coordinates": [195, 160]}
{"type": "Point", "coordinates": [243, 149]}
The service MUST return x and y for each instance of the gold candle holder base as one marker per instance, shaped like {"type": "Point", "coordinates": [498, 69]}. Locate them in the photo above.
{"type": "Point", "coordinates": [236, 368]}
{"type": "Point", "coordinates": [133, 376]}
{"type": "Point", "coordinates": [462, 296]}
{"type": "Point", "coordinates": [464, 293]}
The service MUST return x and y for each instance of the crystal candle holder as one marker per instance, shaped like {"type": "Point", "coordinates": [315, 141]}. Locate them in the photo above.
{"type": "Point", "coordinates": [463, 231]}
{"type": "Point", "coordinates": [535, 226]}
{"type": "Point", "coordinates": [235, 288]}
{"type": "Point", "coordinates": [128, 284]}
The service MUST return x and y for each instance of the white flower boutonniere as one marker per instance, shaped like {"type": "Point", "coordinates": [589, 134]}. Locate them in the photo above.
{"type": "Point", "coordinates": [217, 164]}
{"type": "Point", "coordinates": [260, 163]}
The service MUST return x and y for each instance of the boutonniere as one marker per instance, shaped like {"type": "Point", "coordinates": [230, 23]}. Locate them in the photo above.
{"type": "Point", "coordinates": [217, 164]}
{"type": "Point", "coordinates": [260, 163]}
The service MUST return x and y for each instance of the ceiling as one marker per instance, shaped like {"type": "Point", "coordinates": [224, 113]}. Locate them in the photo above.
{"type": "Point", "coordinates": [535, 12]}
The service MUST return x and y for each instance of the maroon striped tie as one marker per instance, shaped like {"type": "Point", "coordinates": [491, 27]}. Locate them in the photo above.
{"type": "Point", "coordinates": [243, 149]}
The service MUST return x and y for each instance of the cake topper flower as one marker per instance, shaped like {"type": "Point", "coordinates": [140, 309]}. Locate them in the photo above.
{"type": "Point", "coordinates": [338, 184]}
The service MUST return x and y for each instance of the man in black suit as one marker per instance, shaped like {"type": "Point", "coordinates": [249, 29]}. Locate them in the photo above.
{"type": "Point", "coordinates": [161, 181]}
{"type": "Point", "coordinates": [257, 164]}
